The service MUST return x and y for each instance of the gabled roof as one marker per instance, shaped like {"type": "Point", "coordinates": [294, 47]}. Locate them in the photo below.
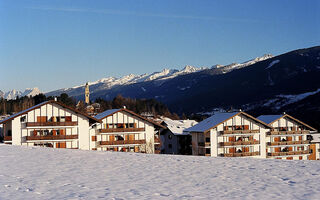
{"type": "Point", "coordinates": [177, 127]}
{"type": "Point", "coordinates": [106, 113]}
{"type": "Point", "coordinates": [110, 112]}
{"type": "Point", "coordinates": [269, 119]}
{"type": "Point", "coordinates": [217, 119]}
{"type": "Point", "coordinates": [11, 117]}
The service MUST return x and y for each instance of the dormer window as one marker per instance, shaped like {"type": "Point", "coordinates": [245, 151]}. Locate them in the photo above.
{"type": "Point", "coordinates": [23, 119]}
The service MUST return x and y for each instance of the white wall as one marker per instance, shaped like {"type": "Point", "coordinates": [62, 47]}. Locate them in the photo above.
{"type": "Point", "coordinates": [20, 131]}
{"type": "Point", "coordinates": [124, 117]}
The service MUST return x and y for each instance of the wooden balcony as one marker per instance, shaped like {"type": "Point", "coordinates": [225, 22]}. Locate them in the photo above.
{"type": "Point", "coordinates": [288, 143]}
{"type": "Point", "coordinates": [256, 153]}
{"type": "Point", "coordinates": [7, 138]}
{"type": "Point", "coordinates": [52, 137]}
{"type": "Point", "coordinates": [157, 151]}
{"type": "Point", "coordinates": [203, 144]}
{"type": "Point", "coordinates": [112, 130]}
{"type": "Point", "coordinates": [122, 142]}
{"type": "Point", "coordinates": [239, 131]}
{"type": "Point", "coordinates": [238, 143]}
{"type": "Point", "coordinates": [157, 140]}
{"type": "Point", "coordinates": [290, 153]}
{"type": "Point", "coordinates": [288, 132]}
{"type": "Point", "coordinates": [32, 124]}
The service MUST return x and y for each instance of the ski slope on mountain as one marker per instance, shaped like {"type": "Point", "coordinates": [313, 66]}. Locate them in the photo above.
{"type": "Point", "coordinates": [45, 173]}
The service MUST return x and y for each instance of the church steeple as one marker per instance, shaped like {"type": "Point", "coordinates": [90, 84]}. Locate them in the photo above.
{"type": "Point", "coordinates": [87, 94]}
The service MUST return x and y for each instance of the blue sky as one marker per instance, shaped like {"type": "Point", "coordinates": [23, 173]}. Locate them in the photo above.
{"type": "Point", "coordinates": [62, 43]}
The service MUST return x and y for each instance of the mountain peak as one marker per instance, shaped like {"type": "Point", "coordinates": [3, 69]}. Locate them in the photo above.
{"type": "Point", "coordinates": [13, 94]}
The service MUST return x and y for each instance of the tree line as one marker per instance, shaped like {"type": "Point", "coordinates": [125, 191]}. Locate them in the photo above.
{"type": "Point", "coordinates": [139, 106]}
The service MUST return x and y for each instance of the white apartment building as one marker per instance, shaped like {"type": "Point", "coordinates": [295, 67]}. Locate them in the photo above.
{"type": "Point", "coordinates": [234, 134]}
{"type": "Point", "coordinates": [50, 124]}
{"type": "Point", "coordinates": [124, 130]}
{"type": "Point", "coordinates": [289, 138]}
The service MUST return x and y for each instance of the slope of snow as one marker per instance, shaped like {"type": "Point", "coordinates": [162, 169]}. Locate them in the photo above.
{"type": "Point", "coordinates": [272, 63]}
{"type": "Point", "coordinates": [298, 97]}
{"type": "Point", "coordinates": [158, 77]}
{"type": "Point", "coordinates": [178, 126]}
{"type": "Point", "coordinates": [258, 59]}
{"type": "Point", "coordinates": [283, 100]}
{"type": "Point", "coordinates": [44, 173]}
{"type": "Point", "coordinates": [1, 94]}
{"type": "Point", "coordinates": [244, 64]}
{"type": "Point", "coordinates": [163, 73]}
{"type": "Point", "coordinates": [13, 94]}
{"type": "Point", "coordinates": [31, 92]}
{"type": "Point", "coordinates": [110, 82]}
{"type": "Point", "coordinates": [186, 70]}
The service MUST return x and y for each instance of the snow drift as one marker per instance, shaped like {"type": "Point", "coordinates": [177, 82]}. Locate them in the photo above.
{"type": "Point", "coordinates": [44, 173]}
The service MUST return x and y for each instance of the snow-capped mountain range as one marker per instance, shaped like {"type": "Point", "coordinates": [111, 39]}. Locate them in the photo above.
{"type": "Point", "coordinates": [110, 82]}
{"type": "Point", "coordinates": [157, 77]}
{"type": "Point", "coordinates": [13, 94]}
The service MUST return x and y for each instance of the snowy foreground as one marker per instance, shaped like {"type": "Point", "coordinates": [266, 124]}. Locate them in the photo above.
{"type": "Point", "coordinates": [45, 173]}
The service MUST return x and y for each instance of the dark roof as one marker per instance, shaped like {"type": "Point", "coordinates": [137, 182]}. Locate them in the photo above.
{"type": "Point", "coordinates": [107, 113]}
{"type": "Point", "coordinates": [217, 119]}
{"type": "Point", "coordinates": [269, 118]}
{"type": "Point", "coordinates": [272, 118]}
{"type": "Point", "coordinates": [11, 117]}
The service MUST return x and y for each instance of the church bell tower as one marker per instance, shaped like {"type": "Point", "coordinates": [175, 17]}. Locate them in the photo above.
{"type": "Point", "coordinates": [87, 94]}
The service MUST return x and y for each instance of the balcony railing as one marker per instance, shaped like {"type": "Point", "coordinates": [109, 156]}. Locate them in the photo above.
{"type": "Point", "coordinates": [289, 153]}
{"type": "Point", "coordinates": [238, 143]}
{"type": "Point", "coordinates": [239, 131]}
{"type": "Point", "coordinates": [157, 151]}
{"type": "Point", "coordinates": [203, 144]}
{"type": "Point", "coordinates": [112, 130]}
{"type": "Point", "coordinates": [121, 142]}
{"type": "Point", "coordinates": [287, 132]}
{"type": "Point", "coordinates": [30, 124]}
{"type": "Point", "coordinates": [157, 140]}
{"type": "Point", "coordinates": [288, 143]}
{"type": "Point", "coordinates": [7, 138]}
{"type": "Point", "coordinates": [256, 153]}
{"type": "Point", "coordinates": [52, 137]}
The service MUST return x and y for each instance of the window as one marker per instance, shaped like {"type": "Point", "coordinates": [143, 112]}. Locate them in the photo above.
{"type": "Point", "coordinates": [309, 137]}
{"type": "Point", "coordinates": [62, 119]}
{"type": "Point", "coordinates": [208, 151]}
{"type": "Point", "coordinates": [46, 132]}
{"type": "Point", "coordinates": [119, 137]}
{"type": "Point", "coordinates": [9, 133]}
{"type": "Point", "coordinates": [23, 119]}
{"type": "Point", "coordinates": [170, 136]}
{"type": "Point", "coordinates": [170, 146]}
{"type": "Point", "coordinates": [207, 139]}
{"type": "Point", "coordinates": [120, 125]}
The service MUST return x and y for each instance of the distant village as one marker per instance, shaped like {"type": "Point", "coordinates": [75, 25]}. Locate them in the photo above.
{"type": "Point", "coordinates": [225, 134]}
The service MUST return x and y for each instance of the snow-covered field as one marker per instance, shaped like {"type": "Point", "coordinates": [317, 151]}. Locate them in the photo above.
{"type": "Point", "coordinates": [44, 173]}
